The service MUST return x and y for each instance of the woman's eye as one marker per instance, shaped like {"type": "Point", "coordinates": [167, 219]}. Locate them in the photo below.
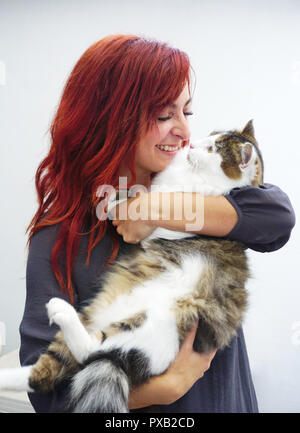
{"type": "Point", "coordinates": [163, 119]}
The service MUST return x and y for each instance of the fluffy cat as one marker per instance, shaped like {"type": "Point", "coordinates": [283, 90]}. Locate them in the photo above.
{"type": "Point", "coordinates": [149, 300]}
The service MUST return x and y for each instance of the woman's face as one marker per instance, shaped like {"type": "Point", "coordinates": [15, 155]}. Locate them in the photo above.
{"type": "Point", "coordinates": [161, 143]}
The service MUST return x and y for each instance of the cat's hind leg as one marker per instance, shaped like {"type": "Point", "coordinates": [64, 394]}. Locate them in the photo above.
{"type": "Point", "coordinates": [50, 368]}
{"type": "Point", "coordinates": [78, 340]}
{"type": "Point", "coordinates": [59, 361]}
{"type": "Point", "coordinates": [16, 379]}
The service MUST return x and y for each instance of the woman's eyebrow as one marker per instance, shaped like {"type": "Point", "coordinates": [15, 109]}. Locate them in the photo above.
{"type": "Point", "coordinates": [187, 103]}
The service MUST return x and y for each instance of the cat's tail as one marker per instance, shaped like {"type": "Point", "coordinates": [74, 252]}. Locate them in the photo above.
{"type": "Point", "coordinates": [102, 386]}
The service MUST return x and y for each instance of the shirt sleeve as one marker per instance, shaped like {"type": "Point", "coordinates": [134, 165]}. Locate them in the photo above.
{"type": "Point", "coordinates": [265, 217]}
{"type": "Point", "coordinates": [35, 331]}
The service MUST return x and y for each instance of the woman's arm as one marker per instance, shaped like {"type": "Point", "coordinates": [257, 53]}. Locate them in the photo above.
{"type": "Point", "coordinates": [190, 212]}
{"type": "Point", "coordinates": [207, 215]}
{"type": "Point", "coordinates": [266, 217]}
{"type": "Point", "coordinates": [262, 218]}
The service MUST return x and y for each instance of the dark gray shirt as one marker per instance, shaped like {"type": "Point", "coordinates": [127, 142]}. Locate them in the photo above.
{"type": "Point", "coordinates": [266, 219]}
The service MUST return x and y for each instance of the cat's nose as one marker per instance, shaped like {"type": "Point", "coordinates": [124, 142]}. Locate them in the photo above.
{"type": "Point", "coordinates": [195, 144]}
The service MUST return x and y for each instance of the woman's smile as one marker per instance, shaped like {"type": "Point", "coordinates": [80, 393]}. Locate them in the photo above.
{"type": "Point", "coordinates": [168, 149]}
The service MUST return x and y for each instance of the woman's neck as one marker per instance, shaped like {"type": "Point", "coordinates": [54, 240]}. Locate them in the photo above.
{"type": "Point", "coordinates": [142, 178]}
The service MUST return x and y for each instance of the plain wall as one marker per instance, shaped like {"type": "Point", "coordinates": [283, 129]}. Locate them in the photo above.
{"type": "Point", "coordinates": [246, 57]}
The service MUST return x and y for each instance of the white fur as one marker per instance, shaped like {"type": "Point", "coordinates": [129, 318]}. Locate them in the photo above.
{"type": "Point", "coordinates": [210, 179]}
{"type": "Point", "coordinates": [15, 379]}
{"type": "Point", "coordinates": [75, 335]}
{"type": "Point", "coordinates": [194, 169]}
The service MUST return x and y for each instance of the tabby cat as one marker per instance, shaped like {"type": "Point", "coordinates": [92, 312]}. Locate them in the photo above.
{"type": "Point", "coordinates": [149, 300]}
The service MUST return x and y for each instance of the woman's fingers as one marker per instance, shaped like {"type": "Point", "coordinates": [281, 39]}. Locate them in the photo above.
{"type": "Point", "coordinates": [189, 339]}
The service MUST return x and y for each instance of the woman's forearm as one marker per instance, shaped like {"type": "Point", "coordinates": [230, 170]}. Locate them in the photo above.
{"type": "Point", "coordinates": [191, 212]}
{"type": "Point", "coordinates": [155, 391]}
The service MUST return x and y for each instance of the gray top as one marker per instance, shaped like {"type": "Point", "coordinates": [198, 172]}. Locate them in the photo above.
{"type": "Point", "coordinates": [266, 219]}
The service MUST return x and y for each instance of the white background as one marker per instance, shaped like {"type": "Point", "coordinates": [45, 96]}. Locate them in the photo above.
{"type": "Point", "coordinates": [246, 56]}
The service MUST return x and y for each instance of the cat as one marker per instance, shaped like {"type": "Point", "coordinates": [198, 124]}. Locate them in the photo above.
{"type": "Point", "coordinates": [149, 299]}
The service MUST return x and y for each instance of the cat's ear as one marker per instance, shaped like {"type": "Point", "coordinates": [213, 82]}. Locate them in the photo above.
{"type": "Point", "coordinates": [248, 129]}
{"type": "Point", "coordinates": [246, 154]}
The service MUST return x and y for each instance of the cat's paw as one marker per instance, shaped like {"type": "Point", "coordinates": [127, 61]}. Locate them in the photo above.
{"type": "Point", "coordinates": [60, 312]}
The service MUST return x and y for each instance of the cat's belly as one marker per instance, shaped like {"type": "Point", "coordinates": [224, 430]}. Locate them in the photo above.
{"type": "Point", "coordinates": [157, 294]}
{"type": "Point", "coordinates": [156, 297]}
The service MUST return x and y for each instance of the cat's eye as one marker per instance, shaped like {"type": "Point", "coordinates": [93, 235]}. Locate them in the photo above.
{"type": "Point", "coordinates": [210, 149]}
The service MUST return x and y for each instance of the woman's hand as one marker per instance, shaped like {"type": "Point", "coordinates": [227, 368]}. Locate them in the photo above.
{"type": "Point", "coordinates": [133, 222]}
{"type": "Point", "coordinates": [188, 366]}
{"type": "Point", "coordinates": [186, 369]}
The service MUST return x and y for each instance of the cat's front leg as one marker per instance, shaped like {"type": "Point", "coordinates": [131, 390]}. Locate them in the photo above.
{"type": "Point", "coordinates": [78, 340]}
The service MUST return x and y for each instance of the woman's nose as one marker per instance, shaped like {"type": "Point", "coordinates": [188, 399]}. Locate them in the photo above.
{"type": "Point", "coordinates": [182, 129]}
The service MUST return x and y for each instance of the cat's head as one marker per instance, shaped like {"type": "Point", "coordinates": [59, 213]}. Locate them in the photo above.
{"type": "Point", "coordinates": [235, 152]}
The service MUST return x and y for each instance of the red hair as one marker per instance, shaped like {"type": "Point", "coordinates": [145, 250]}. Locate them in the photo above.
{"type": "Point", "coordinates": [110, 100]}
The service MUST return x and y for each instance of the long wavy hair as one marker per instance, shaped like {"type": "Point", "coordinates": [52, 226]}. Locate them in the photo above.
{"type": "Point", "coordinates": [111, 98]}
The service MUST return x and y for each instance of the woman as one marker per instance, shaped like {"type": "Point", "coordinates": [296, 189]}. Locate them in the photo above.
{"type": "Point", "coordinates": [125, 99]}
